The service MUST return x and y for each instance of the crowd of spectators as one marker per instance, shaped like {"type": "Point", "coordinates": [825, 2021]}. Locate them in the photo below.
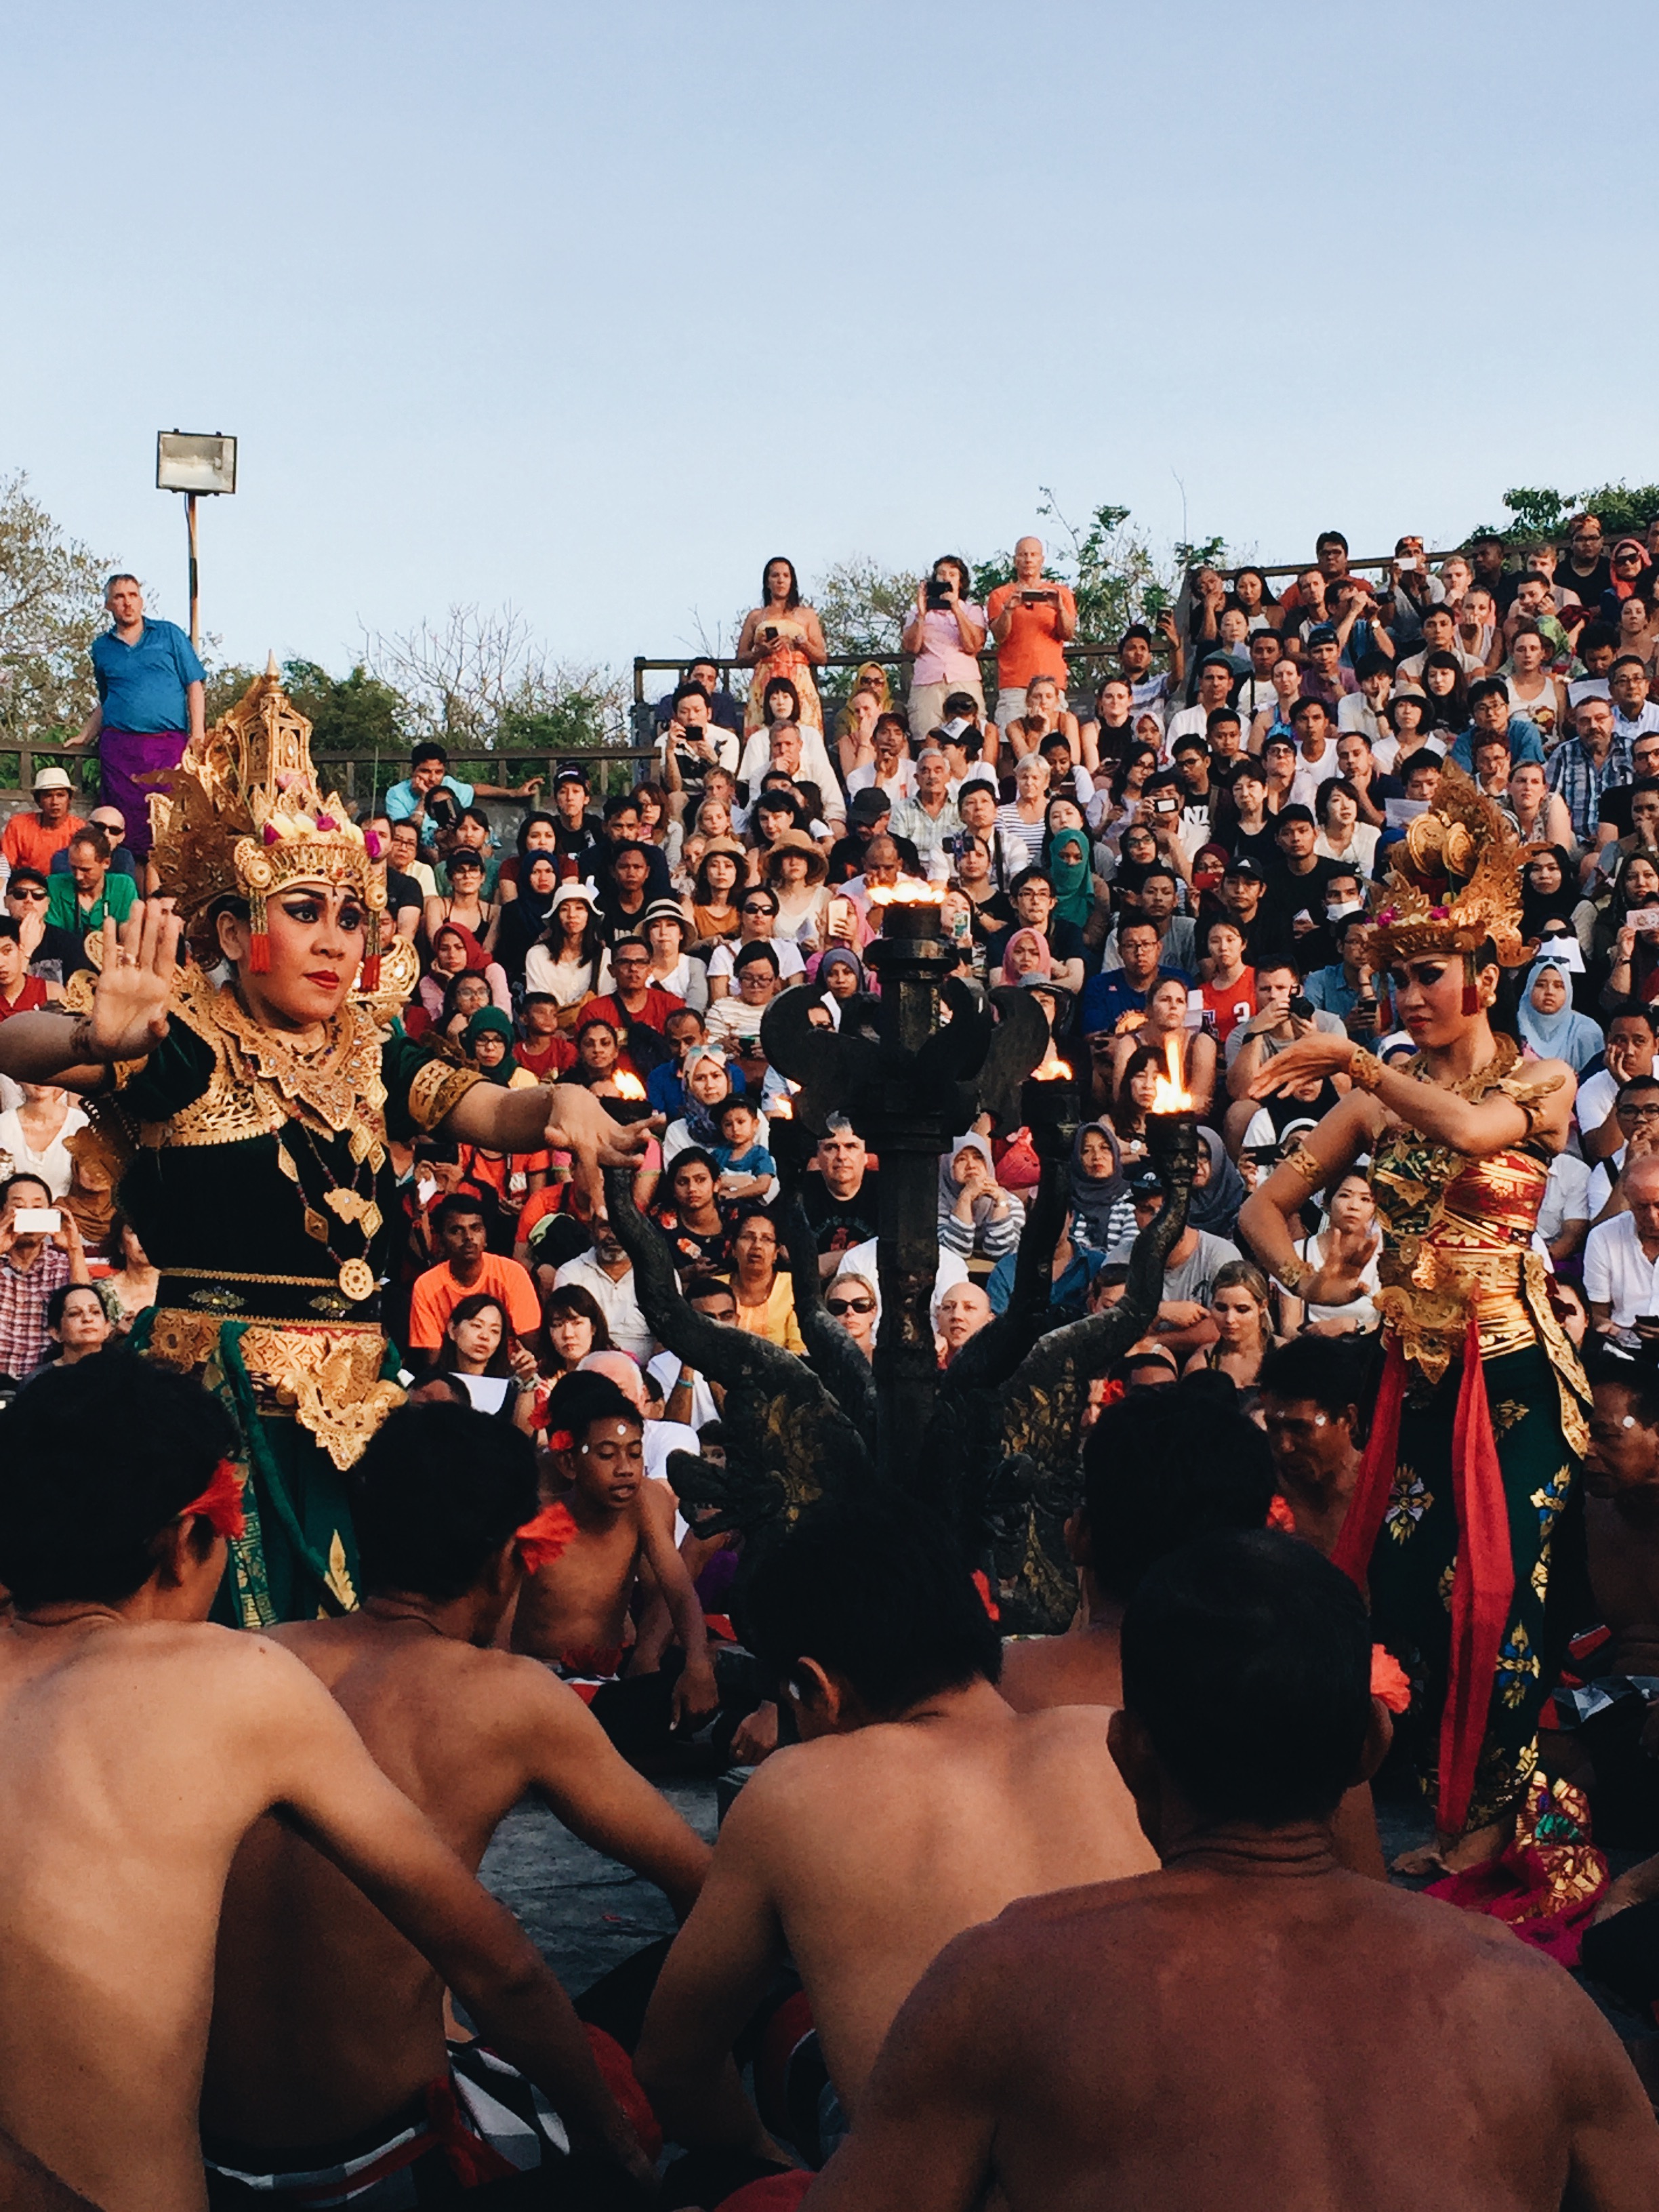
{"type": "Point", "coordinates": [1175, 856]}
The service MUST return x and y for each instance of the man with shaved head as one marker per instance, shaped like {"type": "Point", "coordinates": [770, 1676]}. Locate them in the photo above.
{"type": "Point", "coordinates": [1031, 620]}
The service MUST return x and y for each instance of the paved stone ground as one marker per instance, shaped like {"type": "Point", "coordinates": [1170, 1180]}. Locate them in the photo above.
{"type": "Point", "coordinates": [583, 1911]}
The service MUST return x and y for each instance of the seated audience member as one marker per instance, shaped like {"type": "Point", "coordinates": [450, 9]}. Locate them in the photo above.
{"type": "Point", "coordinates": [480, 1349]}
{"type": "Point", "coordinates": [962, 1311]}
{"type": "Point", "coordinates": [573, 1611]}
{"type": "Point", "coordinates": [1033, 2061]}
{"type": "Point", "coordinates": [918, 1804]}
{"type": "Point", "coordinates": [687, 1395]}
{"type": "Point", "coordinates": [138, 1746]}
{"type": "Point", "coordinates": [841, 1196]}
{"type": "Point", "coordinates": [77, 1322]}
{"type": "Point", "coordinates": [606, 1273]}
{"type": "Point", "coordinates": [1621, 1512]}
{"type": "Point", "coordinates": [746, 1168]}
{"type": "Point", "coordinates": [735, 1020]}
{"type": "Point", "coordinates": [35, 1264]}
{"type": "Point", "coordinates": [764, 1290]}
{"type": "Point", "coordinates": [1164, 1031]}
{"type": "Point", "coordinates": [855, 1302]}
{"type": "Point", "coordinates": [80, 899]}
{"type": "Point", "coordinates": [445, 1507]}
{"type": "Point", "coordinates": [1184, 1322]}
{"type": "Point", "coordinates": [975, 1214]}
{"type": "Point", "coordinates": [468, 1267]}
{"type": "Point", "coordinates": [1240, 1306]}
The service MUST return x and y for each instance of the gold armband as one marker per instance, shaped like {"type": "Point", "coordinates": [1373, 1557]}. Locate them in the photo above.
{"type": "Point", "coordinates": [1306, 1166]}
{"type": "Point", "coordinates": [1366, 1069]}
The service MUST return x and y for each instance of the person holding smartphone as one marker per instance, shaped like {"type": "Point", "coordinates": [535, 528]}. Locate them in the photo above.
{"type": "Point", "coordinates": [1032, 620]}
{"type": "Point", "coordinates": [946, 634]}
{"type": "Point", "coordinates": [40, 1251]}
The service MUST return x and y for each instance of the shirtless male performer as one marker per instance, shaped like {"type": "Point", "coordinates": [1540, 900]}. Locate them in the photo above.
{"type": "Point", "coordinates": [572, 1613]}
{"type": "Point", "coordinates": [1252, 2029]}
{"type": "Point", "coordinates": [139, 1744]}
{"type": "Point", "coordinates": [441, 1498]}
{"type": "Point", "coordinates": [918, 1804]}
{"type": "Point", "coordinates": [1159, 1468]}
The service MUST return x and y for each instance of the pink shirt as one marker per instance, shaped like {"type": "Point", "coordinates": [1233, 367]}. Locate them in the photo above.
{"type": "Point", "coordinates": [942, 659]}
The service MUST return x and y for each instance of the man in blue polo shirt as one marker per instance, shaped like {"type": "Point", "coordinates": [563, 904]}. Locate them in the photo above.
{"type": "Point", "coordinates": [1490, 717]}
{"type": "Point", "coordinates": [149, 706]}
{"type": "Point", "coordinates": [428, 771]}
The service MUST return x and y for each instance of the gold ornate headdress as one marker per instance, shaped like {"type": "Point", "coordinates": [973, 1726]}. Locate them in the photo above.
{"type": "Point", "coordinates": [247, 818]}
{"type": "Point", "coordinates": [1457, 881]}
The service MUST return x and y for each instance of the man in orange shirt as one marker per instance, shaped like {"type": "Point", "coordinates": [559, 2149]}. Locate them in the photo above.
{"type": "Point", "coordinates": [30, 840]}
{"type": "Point", "coordinates": [468, 1267]}
{"type": "Point", "coordinates": [1032, 621]}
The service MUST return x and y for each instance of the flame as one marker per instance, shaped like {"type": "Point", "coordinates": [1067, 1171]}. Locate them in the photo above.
{"type": "Point", "coordinates": [1053, 1070]}
{"type": "Point", "coordinates": [782, 1107]}
{"type": "Point", "coordinates": [909, 890]}
{"type": "Point", "coordinates": [1171, 1096]}
{"type": "Point", "coordinates": [628, 1083]}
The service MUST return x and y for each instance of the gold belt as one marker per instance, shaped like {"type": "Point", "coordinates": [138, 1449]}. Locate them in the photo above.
{"type": "Point", "coordinates": [1430, 1291]}
{"type": "Point", "coordinates": [325, 1375]}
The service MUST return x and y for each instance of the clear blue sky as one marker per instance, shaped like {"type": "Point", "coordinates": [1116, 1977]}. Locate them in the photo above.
{"type": "Point", "coordinates": [590, 309]}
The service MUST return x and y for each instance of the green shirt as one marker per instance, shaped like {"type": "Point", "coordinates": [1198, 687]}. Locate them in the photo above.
{"type": "Point", "coordinates": [64, 911]}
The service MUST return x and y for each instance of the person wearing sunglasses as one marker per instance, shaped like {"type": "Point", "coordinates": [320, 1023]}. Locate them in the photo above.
{"type": "Point", "coordinates": [757, 918]}
{"type": "Point", "coordinates": [48, 953]}
{"type": "Point", "coordinates": [851, 1300]}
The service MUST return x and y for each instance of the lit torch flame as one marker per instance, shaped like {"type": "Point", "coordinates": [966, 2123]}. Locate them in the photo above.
{"type": "Point", "coordinates": [1171, 1096]}
{"type": "Point", "coordinates": [1053, 1070]}
{"type": "Point", "coordinates": [628, 1083]}
{"type": "Point", "coordinates": [909, 890]}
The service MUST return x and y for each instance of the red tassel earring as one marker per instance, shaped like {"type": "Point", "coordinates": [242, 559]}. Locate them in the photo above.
{"type": "Point", "coordinates": [1471, 995]}
{"type": "Point", "coordinates": [370, 978]}
{"type": "Point", "coordinates": [259, 958]}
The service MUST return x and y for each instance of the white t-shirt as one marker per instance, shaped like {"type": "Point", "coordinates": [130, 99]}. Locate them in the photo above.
{"type": "Point", "coordinates": [1602, 1177]}
{"type": "Point", "coordinates": [1566, 1198]}
{"type": "Point", "coordinates": [901, 784]}
{"type": "Point", "coordinates": [54, 1165]}
{"type": "Point", "coordinates": [815, 767]}
{"type": "Point", "coordinates": [1595, 1102]}
{"type": "Point", "coordinates": [786, 953]}
{"type": "Point", "coordinates": [664, 1372]}
{"type": "Point", "coordinates": [1618, 1274]}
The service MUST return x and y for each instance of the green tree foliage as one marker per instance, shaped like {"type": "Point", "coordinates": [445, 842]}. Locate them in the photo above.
{"type": "Point", "coordinates": [1542, 512]}
{"type": "Point", "coordinates": [863, 606]}
{"type": "Point", "coordinates": [51, 607]}
{"type": "Point", "coordinates": [353, 710]}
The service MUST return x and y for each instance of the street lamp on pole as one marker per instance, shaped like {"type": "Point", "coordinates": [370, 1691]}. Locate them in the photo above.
{"type": "Point", "coordinates": [193, 463]}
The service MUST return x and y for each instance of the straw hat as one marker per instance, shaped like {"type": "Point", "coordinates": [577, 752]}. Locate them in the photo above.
{"type": "Point", "coordinates": [795, 840]}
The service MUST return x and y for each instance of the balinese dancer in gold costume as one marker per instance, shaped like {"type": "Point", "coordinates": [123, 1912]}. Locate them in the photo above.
{"type": "Point", "coordinates": [1481, 1414]}
{"type": "Point", "coordinates": [245, 1089]}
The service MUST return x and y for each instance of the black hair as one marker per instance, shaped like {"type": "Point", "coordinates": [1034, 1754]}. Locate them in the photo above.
{"type": "Point", "coordinates": [1247, 1660]}
{"type": "Point", "coordinates": [10, 928]}
{"type": "Point", "coordinates": [732, 1102]}
{"type": "Point", "coordinates": [1636, 1373]}
{"type": "Point", "coordinates": [1032, 875]}
{"type": "Point", "coordinates": [1330, 538]}
{"type": "Point", "coordinates": [25, 1175]}
{"type": "Point", "coordinates": [1486, 687]}
{"type": "Point", "coordinates": [878, 1595]}
{"type": "Point", "coordinates": [469, 1309]}
{"type": "Point", "coordinates": [577, 1400]}
{"type": "Point", "coordinates": [61, 1296]}
{"type": "Point", "coordinates": [792, 598]}
{"type": "Point", "coordinates": [79, 1516]}
{"type": "Point", "coordinates": [457, 1203]}
{"type": "Point", "coordinates": [1634, 1010]}
{"type": "Point", "coordinates": [536, 815]}
{"type": "Point", "coordinates": [428, 749]}
{"type": "Point", "coordinates": [1373, 663]}
{"type": "Point", "coordinates": [756, 954]}
{"type": "Point", "coordinates": [690, 691]}
{"type": "Point", "coordinates": [436, 1494]}
{"type": "Point", "coordinates": [964, 574]}
{"type": "Point", "coordinates": [1304, 704]}
{"type": "Point", "coordinates": [1325, 1369]}
{"type": "Point", "coordinates": [1161, 1468]}
{"type": "Point", "coordinates": [570, 1301]}
{"type": "Point", "coordinates": [620, 802]}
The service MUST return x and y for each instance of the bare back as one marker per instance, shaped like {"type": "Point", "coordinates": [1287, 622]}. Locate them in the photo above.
{"type": "Point", "coordinates": [131, 1766]}
{"type": "Point", "coordinates": [1083, 1666]}
{"type": "Point", "coordinates": [1226, 2044]}
{"type": "Point", "coordinates": [1624, 1569]}
{"type": "Point", "coordinates": [879, 1847]}
{"type": "Point", "coordinates": [326, 2018]}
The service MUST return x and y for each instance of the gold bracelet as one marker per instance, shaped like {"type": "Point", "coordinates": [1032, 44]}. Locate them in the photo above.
{"type": "Point", "coordinates": [1306, 1166]}
{"type": "Point", "coordinates": [1293, 1272]}
{"type": "Point", "coordinates": [1366, 1069]}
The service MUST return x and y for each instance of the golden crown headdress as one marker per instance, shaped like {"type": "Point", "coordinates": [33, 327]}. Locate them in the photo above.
{"type": "Point", "coordinates": [246, 817]}
{"type": "Point", "coordinates": [1457, 882]}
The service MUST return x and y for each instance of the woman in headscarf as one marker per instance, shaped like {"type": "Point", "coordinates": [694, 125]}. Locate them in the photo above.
{"type": "Point", "coordinates": [1025, 953]}
{"type": "Point", "coordinates": [1215, 1200]}
{"type": "Point", "coordinates": [456, 951]}
{"type": "Point", "coordinates": [707, 1082]}
{"type": "Point", "coordinates": [1102, 1210]}
{"type": "Point", "coordinates": [976, 1214]}
{"type": "Point", "coordinates": [1629, 565]}
{"type": "Point", "coordinates": [523, 918]}
{"type": "Point", "coordinates": [1549, 891]}
{"type": "Point", "coordinates": [489, 1048]}
{"type": "Point", "coordinates": [1547, 1021]}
